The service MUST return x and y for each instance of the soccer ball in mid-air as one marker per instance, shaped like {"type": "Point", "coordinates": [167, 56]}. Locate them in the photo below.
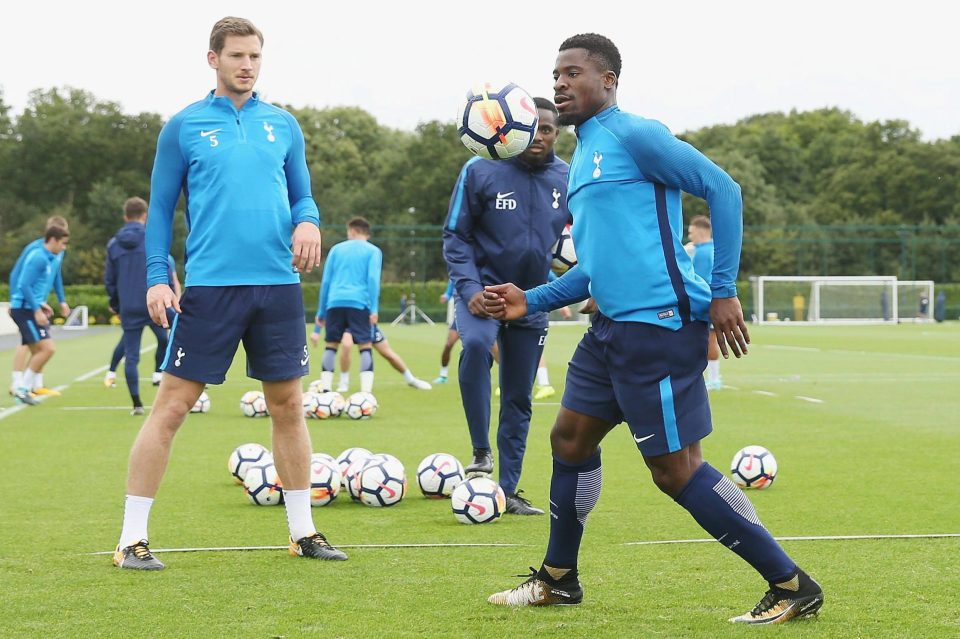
{"type": "Point", "coordinates": [324, 481]}
{"type": "Point", "coordinates": [245, 456]}
{"type": "Point", "coordinates": [361, 405]}
{"type": "Point", "coordinates": [497, 121]}
{"type": "Point", "coordinates": [329, 404]}
{"type": "Point", "coordinates": [253, 404]}
{"type": "Point", "coordinates": [202, 405]}
{"type": "Point", "coordinates": [753, 467]}
{"type": "Point", "coordinates": [439, 474]}
{"type": "Point", "coordinates": [477, 500]}
{"type": "Point", "coordinates": [562, 256]}
{"type": "Point", "coordinates": [263, 486]}
{"type": "Point", "coordinates": [381, 482]}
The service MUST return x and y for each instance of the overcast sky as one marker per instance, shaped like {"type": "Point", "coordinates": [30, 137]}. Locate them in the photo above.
{"type": "Point", "coordinates": [688, 64]}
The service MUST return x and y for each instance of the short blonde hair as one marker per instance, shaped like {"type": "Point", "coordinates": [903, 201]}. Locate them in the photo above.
{"type": "Point", "coordinates": [57, 220]}
{"type": "Point", "coordinates": [135, 207]}
{"type": "Point", "coordinates": [231, 26]}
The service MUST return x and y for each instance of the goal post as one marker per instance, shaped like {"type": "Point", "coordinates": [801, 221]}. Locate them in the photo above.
{"type": "Point", "coordinates": [826, 300]}
{"type": "Point", "coordinates": [78, 319]}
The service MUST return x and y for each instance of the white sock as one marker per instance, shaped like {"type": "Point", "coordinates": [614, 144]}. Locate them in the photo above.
{"type": "Point", "coordinates": [112, 374]}
{"type": "Point", "coordinates": [713, 370]}
{"type": "Point", "coordinates": [29, 379]}
{"type": "Point", "coordinates": [345, 379]}
{"type": "Point", "coordinates": [366, 381]}
{"type": "Point", "coordinates": [542, 377]}
{"type": "Point", "coordinates": [136, 512]}
{"type": "Point", "coordinates": [17, 379]}
{"type": "Point", "coordinates": [299, 517]}
{"type": "Point", "coordinates": [326, 381]}
{"type": "Point", "coordinates": [38, 380]}
{"type": "Point", "coordinates": [443, 371]}
{"type": "Point", "coordinates": [407, 375]}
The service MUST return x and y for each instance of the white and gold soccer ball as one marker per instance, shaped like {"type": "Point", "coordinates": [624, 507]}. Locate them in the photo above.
{"type": "Point", "coordinates": [245, 456]}
{"type": "Point", "coordinates": [753, 467]}
{"type": "Point", "coordinates": [438, 474]}
{"type": "Point", "coordinates": [497, 121]}
{"type": "Point", "coordinates": [324, 481]}
{"type": "Point", "coordinates": [253, 404]}
{"type": "Point", "coordinates": [361, 405]}
{"type": "Point", "coordinates": [478, 500]}
{"type": "Point", "coordinates": [329, 404]}
{"type": "Point", "coordinates": [263, 486]}
{"type": "Point", "coordinates": [202, 405]}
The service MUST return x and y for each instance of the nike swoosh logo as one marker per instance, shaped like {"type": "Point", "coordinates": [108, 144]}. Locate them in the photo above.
{"type": "Point", "coordinates": [640, 440]}
{"type": "Point", "coordinates": [503, 195]}
{"type": "Point", "coordinates": [303, 362]}
{"type": "Point", "coordinates": [204, 134]}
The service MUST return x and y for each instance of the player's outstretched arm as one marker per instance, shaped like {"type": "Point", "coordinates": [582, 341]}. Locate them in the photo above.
{"type": "Point", "coordinates": [504, 301]}
{"type": "Point", "coordinates": [728, 325]}
{"type": "Point", "coordinates": [160, 297]}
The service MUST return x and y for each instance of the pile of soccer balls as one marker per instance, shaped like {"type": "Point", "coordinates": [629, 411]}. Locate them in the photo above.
{"type": "Point", "coordinates": [378, 480]}
{"type": "Point", "coordinates": [317, 404]}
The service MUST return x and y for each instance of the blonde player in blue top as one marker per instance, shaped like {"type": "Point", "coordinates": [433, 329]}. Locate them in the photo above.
{"type": "Point", "coordinates": [642, 359]}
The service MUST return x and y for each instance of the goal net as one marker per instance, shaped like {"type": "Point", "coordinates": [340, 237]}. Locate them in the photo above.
{"type": "Point", "coordinates": [823, 300]}
{"type": "Point", "coordinates": [915, 300]}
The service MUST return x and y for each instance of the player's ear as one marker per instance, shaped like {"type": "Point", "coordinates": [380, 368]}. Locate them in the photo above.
{"type": "Point", "coordinates": [609, 79]}
{"type": "Point", "coordinates": [213, 59]}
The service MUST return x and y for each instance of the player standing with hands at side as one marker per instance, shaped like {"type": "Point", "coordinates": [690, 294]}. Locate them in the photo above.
{"type": "Point", "coordinates": [504, 216]}
{"type": "Point", "coordinates": [252, 227]}
{"type": "Point", "coordinates": [642, 359]}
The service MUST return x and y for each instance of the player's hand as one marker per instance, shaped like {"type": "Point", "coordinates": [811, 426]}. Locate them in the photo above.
{"type": "Point", "coordinates": [729, 327]}
{"type": "Point", "coordinates": [476, 305]}
{"type": "Point", "coordinates": [314, 338]}
{"type": "Point", "coordinates": [504, 302]}
{"type": "Point", "coordinates": [444, 298]}
{"type": "Point", "coordinates": [374, 317]}
{"type": "Point", "coordinates": [64, 309]}
{"type": "Point", "coordinates": [40, 317]}
{"type": "Point", "coordinates": [565, 312]}
{"type": "Point", "coordinates": [160, 297]}
{"type": "Point", "coordinates": [589, 307]}
{"type": "Point", "coordinates": [306, 247]}
{"type": "Point", "coordinates": [46, 309]}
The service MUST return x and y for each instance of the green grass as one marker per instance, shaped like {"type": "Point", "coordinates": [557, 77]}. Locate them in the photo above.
{"type": "Point", "coordinates": [877, 456]}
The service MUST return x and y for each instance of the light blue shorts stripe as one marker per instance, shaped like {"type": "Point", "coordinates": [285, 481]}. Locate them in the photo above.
{"type": "Point", "coordinates": [669, 415]}
{"type": "Point", "coordinates": [166, 357]}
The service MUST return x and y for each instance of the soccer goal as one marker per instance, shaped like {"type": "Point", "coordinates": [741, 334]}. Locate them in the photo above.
{"type": "Point", "coordinates": [915, 300]}
{"type": "Point", "coordinates": [826, 300]}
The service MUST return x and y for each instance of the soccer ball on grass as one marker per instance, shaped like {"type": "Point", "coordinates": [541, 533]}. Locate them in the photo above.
{"type": "Point", "coordinates": [753, 467]}
{"type": "Point", "coordinates": [253, 404]}
{"type": "Point", "coordinates": [477, 500]}
{"type": "Point", "coordinates": [245, 456]}
{"type": "Point", "coordinates": [438, 474]}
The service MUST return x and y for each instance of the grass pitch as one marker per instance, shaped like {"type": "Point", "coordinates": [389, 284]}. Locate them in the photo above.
{"type": "Point", "coordinates": [864, 422]}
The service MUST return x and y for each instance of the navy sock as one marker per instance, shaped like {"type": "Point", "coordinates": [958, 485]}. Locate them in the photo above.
{"type": "Point", "coordinates": [329, 359]}
{"type": "Point", "coordinates": [727, 514]}
{"type": "Point", "coordinates": [116, 356]}
{"type": "Point", "coordinates": [574, 491]}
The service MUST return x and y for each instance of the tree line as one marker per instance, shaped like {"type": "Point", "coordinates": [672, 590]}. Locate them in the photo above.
{"type": "Point", "coordinates": [823, 190]}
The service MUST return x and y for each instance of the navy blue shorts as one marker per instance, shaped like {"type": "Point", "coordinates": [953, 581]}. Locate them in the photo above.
{"type": "Point", "coordinates": [269, 320]}
{"type": "Point", "coordinates": [342, 319]}
{"type": "Point", "coordinates": [378, 335]}
{"type": "Point", "coordinates": [30, 331]}
{"type": "Point", "coordinates": [649, 376]}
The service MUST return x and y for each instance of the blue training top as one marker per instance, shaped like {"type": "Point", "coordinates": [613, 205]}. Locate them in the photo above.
{"type": "Point", "coordinates": [703, 260]}
{"type": "Point", "coordinates": [56, 283]}
{"type": "Point", "coordinates": [625, 182]}
{"type": "Point", "coordinates": [245, 179]}
{"type": "Point", "coordinates": [351, 277]}
{"type": "Point", "coordinates": [33, 282]}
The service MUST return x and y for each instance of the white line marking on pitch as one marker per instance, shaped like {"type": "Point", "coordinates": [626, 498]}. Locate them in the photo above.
{"type": "Point", "coordinates": [229, 548]}
{"type": "Point", "coordinates": [7, 412]}
{"type": "Point", "coordinates": [99, 407]}
{"type": "Point", "coordinates": [812, 400]}
{"type": "Point", "coordinates": [779, 347]}
{"type": "Point", "coordinates": [802, 538]}
{"type": "Point", "coordinates": [764, 393]}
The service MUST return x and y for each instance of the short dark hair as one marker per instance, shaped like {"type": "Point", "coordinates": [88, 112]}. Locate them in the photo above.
{"type": "Point", "coordinates": [360, 225]}
{"type": "Point", "coordinates": [55, 232]}
{"type": "Point", "coordinates": [231, 26]}
{"type": "Point", "coordinates": [600, 48]}
{"type": "Point", "coordinates": [57, 220]}
{"type": "Point", "coordinates": [135, 207]}
{"type": "Point", "coordinates": [701, 221]}
{"type": "Point", "coordinates": [544, 103]}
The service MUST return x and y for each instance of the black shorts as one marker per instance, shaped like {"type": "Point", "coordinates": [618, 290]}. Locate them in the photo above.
{"type": "Point", "coordinates": [342, 319]}
{"type": "Point", "coordinates": [30, 331]}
